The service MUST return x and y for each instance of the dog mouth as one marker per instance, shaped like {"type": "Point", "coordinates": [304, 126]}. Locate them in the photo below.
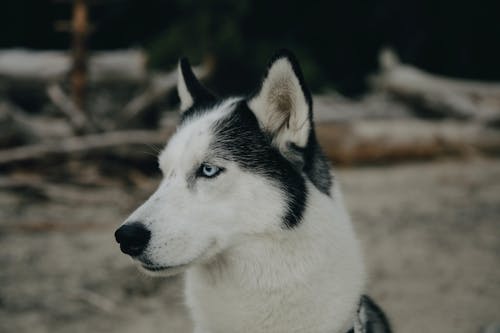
{"type": "Point", "coordinates": [157, 270]}
{"type": "Point", "coordinates": [168, 270]}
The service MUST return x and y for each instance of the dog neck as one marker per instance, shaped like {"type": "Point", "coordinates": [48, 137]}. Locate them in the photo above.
{"type": "Point", "coordinates": [306, 280]}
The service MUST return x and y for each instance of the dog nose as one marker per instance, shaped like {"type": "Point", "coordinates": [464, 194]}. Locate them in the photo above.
{"type": "Point", "coordinates": [133, 238]}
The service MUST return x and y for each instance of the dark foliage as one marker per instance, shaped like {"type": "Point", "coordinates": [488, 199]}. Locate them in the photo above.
{"type": "Point", "coordinates": [336, 41]}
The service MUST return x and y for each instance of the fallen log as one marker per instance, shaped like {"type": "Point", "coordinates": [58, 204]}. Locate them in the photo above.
{"type": "Point", "coordinates": [15, 127]}
{"type": "Point", "coordinates": [374, 141]}
{"type": "Point", "coordinates": [436, 95]}
{"type": "Point", "coordinates": [18, 127]}
{"type": "Point", "coordinates": [44, 67]}
{"type": "Point", "coordinates": [160, 85]}
{"type": "Point", "coordinates": [383, 141]}
{"type": "Point", "coordinates": [75, 115]}
{"type": "Point", "coordinates": [87, 143]}
{"type": "Point", "coordinates": [334, 107]}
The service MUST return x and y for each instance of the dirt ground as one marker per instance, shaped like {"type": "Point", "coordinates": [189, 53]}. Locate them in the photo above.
{"type": "Point", "coordinates": [431, 233]}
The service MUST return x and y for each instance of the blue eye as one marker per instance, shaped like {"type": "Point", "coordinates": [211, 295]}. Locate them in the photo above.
{"type": "Point", "coordinates": [209, 171]}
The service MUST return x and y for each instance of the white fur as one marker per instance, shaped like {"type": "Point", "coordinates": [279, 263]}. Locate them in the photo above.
{"type": "Point", "coordinates": [305, 280]}
{"type": "Point", "coordinates": [245, 272]}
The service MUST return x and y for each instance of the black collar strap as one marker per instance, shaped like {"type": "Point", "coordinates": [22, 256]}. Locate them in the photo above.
{"type": "Point", "coordinates": [370, 318]}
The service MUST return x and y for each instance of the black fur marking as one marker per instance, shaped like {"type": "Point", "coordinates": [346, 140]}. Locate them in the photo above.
{"type": "Point", "coordinates": [198, 92]}
{"type": "Point", "coordinates": [316, 166]}
{"type": "Point", "coordinates": [295, 155]}
{"type": "Point", "coordinates": [239, 138]}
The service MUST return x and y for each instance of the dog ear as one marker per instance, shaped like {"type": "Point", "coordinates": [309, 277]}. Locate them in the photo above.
{"type": "Point", "coordinates": [283, 104]}
{"type": "Point", "coordinates": [190, 90]}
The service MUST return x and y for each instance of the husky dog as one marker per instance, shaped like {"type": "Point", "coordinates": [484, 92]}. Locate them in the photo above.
{"type": "Point", "coordinates": [248, 209]}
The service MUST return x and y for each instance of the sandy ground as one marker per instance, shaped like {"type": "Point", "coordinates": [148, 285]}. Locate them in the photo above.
{"type": "Point", "coordinates": [430, 233]}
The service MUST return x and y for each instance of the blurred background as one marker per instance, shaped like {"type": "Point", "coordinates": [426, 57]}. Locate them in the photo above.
{"type": "Point", "coordinates": [407, 108]}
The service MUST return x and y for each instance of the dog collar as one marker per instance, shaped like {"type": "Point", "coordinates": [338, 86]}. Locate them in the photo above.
{"type": "Point", "coordinates": [369, 318]}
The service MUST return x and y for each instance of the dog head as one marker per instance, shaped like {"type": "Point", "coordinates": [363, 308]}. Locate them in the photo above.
{"type": "Point", "coordinates": [235, 168]}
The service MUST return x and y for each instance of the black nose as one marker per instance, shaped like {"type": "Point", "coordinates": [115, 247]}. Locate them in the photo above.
{"type": "Point", "coordinates": [133, 238]}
